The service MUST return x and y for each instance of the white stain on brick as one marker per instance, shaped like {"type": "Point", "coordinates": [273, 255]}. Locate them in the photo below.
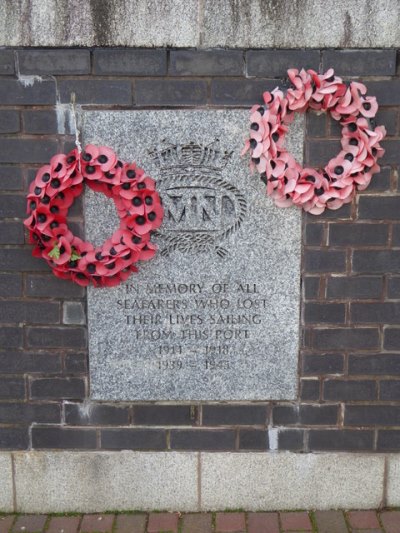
{"type": "Point", "coordinates": [273, 439]}
{"type": "Point", "coordinates": [28, 81]}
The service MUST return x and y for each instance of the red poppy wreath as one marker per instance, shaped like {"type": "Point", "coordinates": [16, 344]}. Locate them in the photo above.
{"type": "Point", "coordinates": [52, 193]}
{"type": "Point", "coordinates": [288, 183]}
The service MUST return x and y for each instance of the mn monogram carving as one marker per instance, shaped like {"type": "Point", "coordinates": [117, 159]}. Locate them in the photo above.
{"type": "Point", "coordinates": [201, 208]}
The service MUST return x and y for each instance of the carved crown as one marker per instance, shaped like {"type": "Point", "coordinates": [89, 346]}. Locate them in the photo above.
{"type": "Point", "coordinates": [191, 155]}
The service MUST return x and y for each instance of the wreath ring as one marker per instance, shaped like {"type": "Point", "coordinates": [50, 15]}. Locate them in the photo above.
{"type": "Point", "coordinates": [53, 191]}
{"type": "Point", "coordinates": [288, 183]}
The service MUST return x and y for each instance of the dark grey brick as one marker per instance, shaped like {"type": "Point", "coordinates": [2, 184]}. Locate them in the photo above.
{"type": "Point", "coordinates": [29, 312]}
{"type": "Point", "coordinates": [387, 92]}
{"type": "Point", "coordinates": [324, 261]}
{"type": "Point", "coordinates": [11, 337]}
{"type": "Point", "coordinates": [387, 116]}
{"type": "Point", "coordinates": [249, 415]}
{"type": "Point", "coordinates": [314, 234]}
{"type": "Point", "coordinates": [316, 125]}
{"type": "Point", "coordinates": [14, 92]}
{"type": "Point", "coordinates": [253, 439]}
{"type": "Point", "coordinates": [75, 363]}
{"type": "Point", "coordinates": [388, 440]}
{"type": "Point", "coordinates": [17, 150]}
{"type": "Point", "coordinates": [51, 287]}
{"type": "Point", "coordinates": [239, 92]}
{"type": "Point", "coordinates": [396, 235]}
{"type": "Point", "coordinates": [340, 440]}
{"type": "Point", "coordinates": [360, 62]}
{"type": "Point", "coordinates": [77, 414]}
{"type": "Point", "coordinates": [311, 287]}
{"type": "Point", "coordinates": [321, 151]}
{"type": "Point", "coordinates": [393, 288]}
{"type": "Point", "coordinates": [7, 62]}
{"type": "Point", "coordinates": [372, 415]}
{"type": "Point", "coordinates": [11, 178]}
{"type": "Point", "coordinates": [389, 390]}
{"type": "Point", "coordinates": [291, 439]}
{"type": "Point", "coordinates": [379, 261]}
{"type": "Point", "coordinates": [202, 439]}
{"type": "Point", "coordinates": [323, 313]}
{"type": "Point", "coordinates": [336, 214]}
{"type": "Point", "coordinates": [380, 208]}
{"type": "Point", "coordinates": [68, 337]}
{"type": "Point", "coordinates": [11, 233]}
{"type": "Point", "coordinates": [133, 439]}
{"type": "Point", "coordinates": [364, 313]}
{"type": "Point", "coordinates": [283, 415]}
{"type": "Point", "coordinates": [346, 338]}
{"type": "Point", "coordinates": [391, 338]}
{"type": "Point", "coordinates": [319, 415]}
{"type": "Point", "coordinates": [306, 337]}
{"type": "Point", "coordinates": [26, 413]}
{"type": "Point", "coordinates": [64, 61]}
{"type": "Point", "coordinates": [358, 234]}
{"type": "Point", "coordinates": [380, 181]}
{"type": "Point", "coordinates": [160, 415]}
{"type": "Point", "coordinates": [117, 92]}
{"type": "Point", "coordinates": [40, 122]}
{"type": "Point", "coordinates": [21, 259]}
{"type": "Point", "coordinates": [76, 209]}
{"type": "Point", "coordinates": [63, 438]}
{"type": "Point", "coordinates": [55, 388]}
{"type": "Point", "coordinates": [309, 389]}
{"type": "Point", "coordinates": [14, 362]}
{"type": "Point", "coordinates": [10, 285]}
{"type": "Point", "coordinates": [171, 92]}
{"type": "Point", "coordinates": [128, 62]}
{"type": "Point", "coordinates": [363, 287]}
{"type": "Point", "coordinates": [77, 229]}
{"type": "Point", "coordinates": [323, 364]}
{"type": "Point", "coordinates": [275, 63]}
{"type": "Point", "coordinates": [335, 129]}
{"type": "Point", "coordinates": [375, 364]}
{"type": "Point", "coordinates": [14, 438]}
{"type": "Point", "coordinates": [12, 205]}
{"type": "Point", "coordinates": [206, 63]}
{"type": "Point", "coordinates": [350, 390]}
{"type": "Point", "coordinates": [9, 121]}
{"type": "Point", "coordinates": [12, 388]}
{"type": "Point", "coordinates": [308, 415]}
{"type": "Point", "coordinates": [392, 154]}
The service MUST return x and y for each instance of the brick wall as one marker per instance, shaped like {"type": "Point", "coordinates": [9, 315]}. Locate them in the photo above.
{"type": "Point", "coordinates": [349, 385]}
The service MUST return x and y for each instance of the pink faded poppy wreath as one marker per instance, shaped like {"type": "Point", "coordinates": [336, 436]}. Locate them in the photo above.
{"type": "Point", "coordinates": [53, 191]}
{"type": "Point", "coordinates": [288, 183]}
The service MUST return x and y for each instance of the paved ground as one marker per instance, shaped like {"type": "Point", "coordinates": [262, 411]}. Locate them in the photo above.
{"type": "Point", "coordinates": [238, 522]}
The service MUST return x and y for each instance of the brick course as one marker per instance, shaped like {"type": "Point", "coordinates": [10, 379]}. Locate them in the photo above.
{"type": "Point", "coordinates": [349, 383]}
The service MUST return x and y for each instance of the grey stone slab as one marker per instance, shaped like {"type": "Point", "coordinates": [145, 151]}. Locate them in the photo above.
{"type": "Point", "coordinates": [393, 480]}
{"type": "Point", "coordinates": [297, 24]}
{"type": "Point", "coordinates": [215, 316]}
{"type": "Point", "coordinates": [255, 481]}
{"type": "Point", "coordinates": [60, 482]}
{"type": "Point", "coordinates": [192, 23]}
{"type": "Point", "coordinates": [6, 483]}
{"type": "Point", "coordinates": [146, 23]}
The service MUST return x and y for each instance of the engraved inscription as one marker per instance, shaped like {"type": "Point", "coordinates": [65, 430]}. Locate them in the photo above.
{"type": "Point", "coordinates": [201, 208]}
{"type": "Point", "coordinates": [174, 317]}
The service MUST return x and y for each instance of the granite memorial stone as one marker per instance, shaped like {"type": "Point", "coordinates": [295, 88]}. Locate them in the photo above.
{"type": "Point", "coordinates": [215, 315]}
